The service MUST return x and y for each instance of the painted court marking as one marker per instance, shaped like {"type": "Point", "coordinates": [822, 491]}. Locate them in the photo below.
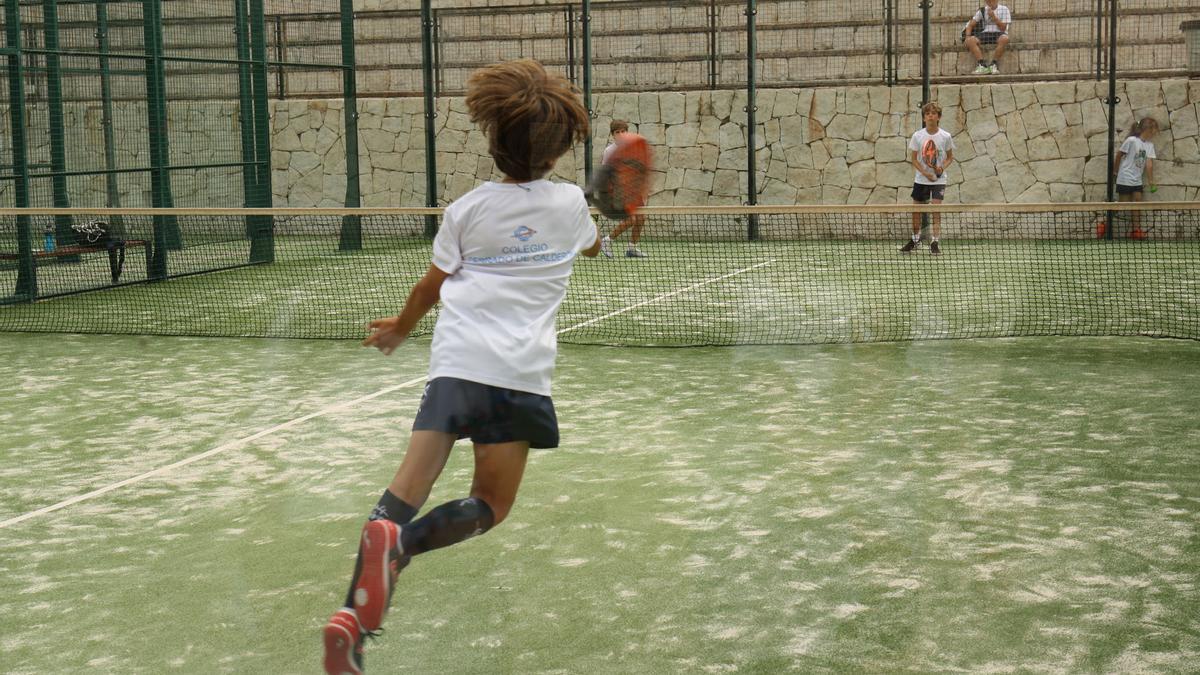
{"type": "Point", "coordinates": [163, 470]}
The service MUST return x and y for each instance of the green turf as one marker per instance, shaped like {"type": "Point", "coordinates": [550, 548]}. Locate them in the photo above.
{"type": "Point", "coordinates": [700, 292]}
{"type": "Point", "coordinates": [1021, 505]}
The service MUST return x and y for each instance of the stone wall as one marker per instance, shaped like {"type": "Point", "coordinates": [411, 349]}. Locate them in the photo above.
{"type": "Point", "coordinates": [1016, 143]}
{"type": "Point", "coordinates": [1044, 142]}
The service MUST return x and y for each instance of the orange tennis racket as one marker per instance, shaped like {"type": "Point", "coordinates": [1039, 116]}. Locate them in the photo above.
{"type": "Point", "coordinates": [620, 186]}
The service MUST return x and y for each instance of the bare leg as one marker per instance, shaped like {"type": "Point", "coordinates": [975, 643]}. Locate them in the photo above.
{"type": "Point", "coordinates": [499, 468]}
{"type": "Point", "coordinates": [498, 471]}
{"type": "Point", "coordinates": [422, 464]}
{"type": "Point", "coordinates": [916, 221]}
{"type": "Point", "coordinates": [973, 47]}
{"type": "Point", "coordinates": [937, 222]}
{"type": "Point", "coordinates": [636, 222]}
{"type": "Point", "coordinates": [1001, 45]}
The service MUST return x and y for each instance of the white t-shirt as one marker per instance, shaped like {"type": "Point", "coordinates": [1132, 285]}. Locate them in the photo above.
{"type": "Point", "coordinates": [608, 151]}
{"type": "Point", "coordinates": [1133, 162]}
{"type": "Point", "coordinates": [982, 19]}
{"type": "Point", "coordinates": [508, 249]}
{"type": "Point", "coordinates": [931, 149]}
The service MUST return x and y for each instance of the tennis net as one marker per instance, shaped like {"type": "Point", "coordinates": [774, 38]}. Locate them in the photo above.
{"type": "Point", "coordinates": [714, 276]}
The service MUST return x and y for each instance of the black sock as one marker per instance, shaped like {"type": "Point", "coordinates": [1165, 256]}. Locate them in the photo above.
{"type": "Point", "coordinates": [392, 508]}
{"type": "Point", "coordinates": [448, 524]}
{"type": "Point", "coordinates": [982, 62]}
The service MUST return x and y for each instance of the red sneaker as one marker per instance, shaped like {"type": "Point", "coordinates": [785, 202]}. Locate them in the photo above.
{"type": "Point", "coordinates": [381, 563]}
{"type": "Point", "coordinates": [343, 644]}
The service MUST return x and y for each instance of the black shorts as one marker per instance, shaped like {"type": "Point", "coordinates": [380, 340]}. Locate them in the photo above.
{"type": "Point", "coordinates": [487, 414]}
{"type": "Point", "coordinates": [1128, 189]}
{"type": "Point", "coordinates": [990, 37]}
{"type": "Point", "coordinates": [923, 193]}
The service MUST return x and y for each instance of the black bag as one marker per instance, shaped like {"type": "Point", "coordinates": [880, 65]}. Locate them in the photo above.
{"type": "Point", "coordinates": [92, 233]}
{"type": "Point", "coordinates": [962, 37]}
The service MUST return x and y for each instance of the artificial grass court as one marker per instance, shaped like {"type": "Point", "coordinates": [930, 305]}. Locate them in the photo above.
{"type": "Point", "coordinates": [1028, 505]}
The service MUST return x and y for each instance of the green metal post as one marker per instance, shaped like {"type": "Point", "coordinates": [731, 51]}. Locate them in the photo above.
{"type": "Point", "coordinates": [57, 126]}
{"type": "Point", "coordinates": [351, 235]}
{"type": "Point", "coordinates": [112, 191]}
{"type": "Point", "coordinates": [1112, 113]}
{"type": "Point", "coordinates": [585, 19]}
{"type": "Point", "coordinates": [430, 115]}
{"type": "Point", "coordinates": [926, 53]}
{"type": "Point", "coordinates": [926, 88]}
{"type": "Point", "coordinates": [262, 242]}
{"type": "Point", "coordinates": [26, 287]}
{"type": "Point", "coordinates": [166, 228]}
{"type": "Point", "coordinates": [245, 106]}
{"type": "Point", "coordinates": [751, 118]}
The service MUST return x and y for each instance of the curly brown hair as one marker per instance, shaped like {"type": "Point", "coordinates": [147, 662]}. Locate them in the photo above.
{"type": "Point", "coordinates": [530, 117]}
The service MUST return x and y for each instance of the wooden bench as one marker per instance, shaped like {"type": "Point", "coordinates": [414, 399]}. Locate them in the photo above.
{"type": "Point", "coordinates": [115, 249]}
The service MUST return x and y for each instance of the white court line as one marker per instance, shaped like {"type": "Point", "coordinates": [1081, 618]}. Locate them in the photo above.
{"type": "Point", "coordinates": [162, 470]}
{"type": "Point", "coordinates": [664, 296]}
{"type": "Point", "coordinates": [206, 454]}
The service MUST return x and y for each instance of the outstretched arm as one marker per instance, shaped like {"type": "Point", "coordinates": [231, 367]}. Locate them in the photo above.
{"type": "Point", "coordinates": [387, 334]}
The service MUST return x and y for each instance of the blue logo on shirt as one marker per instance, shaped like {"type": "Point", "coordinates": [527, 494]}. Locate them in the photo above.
{"type": "Point", "coordinates": [523, 233]}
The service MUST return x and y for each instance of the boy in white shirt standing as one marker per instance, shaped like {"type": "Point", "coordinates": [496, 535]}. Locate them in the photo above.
{"type": "Point", "coordinates": [931, 151]}
{"type": "Point", "coordinates": [995, 19]}
{"type": "Point", "coordinates": [501, 262]}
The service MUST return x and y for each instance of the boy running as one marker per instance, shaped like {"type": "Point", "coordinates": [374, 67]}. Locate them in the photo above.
{"type": "Point", "coordinates": [931, 152]}
{"type": "Point", "coordinates": [637, 219]}
{"type": "Point", "coordinates": [501, 263]}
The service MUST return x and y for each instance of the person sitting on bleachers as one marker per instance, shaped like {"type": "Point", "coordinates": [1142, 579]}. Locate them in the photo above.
{"type": "Point", "coordinates": [995, 20]}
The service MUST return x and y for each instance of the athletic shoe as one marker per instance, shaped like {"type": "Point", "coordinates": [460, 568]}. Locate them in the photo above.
{"type": "Point", "coordinates": [381, 563]}
{"type": "Point", "coordinates": [934, 249]}
{"type": "Point", "coordinates": [634, 253]}
{"type": "Point", "coordinates": [910, 246]}
{"type": "Point", "coordinates": [994, 69]}
{"type": "Point", "coordinates": [982, 70]}
{"type": "Point", "coordinates": [606, 246]}
{"type": "Point", "coordinates": [343, 644]}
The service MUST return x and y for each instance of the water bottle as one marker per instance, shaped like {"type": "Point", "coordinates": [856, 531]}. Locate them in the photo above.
{"type": "Point", "coordinates": [49, 239]}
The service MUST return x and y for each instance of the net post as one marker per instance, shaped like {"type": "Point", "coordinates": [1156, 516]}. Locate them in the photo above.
{"type": "Point", "coordinates": [1112, 102]}
{"type": "Point", "coordinates": [751, 121]}
{"type": "Point", "coordinates": [156, 119]}
{"type": "Point", "coordinates": [712, 44]}
{"type": "Point", "coordinates": [569, 18]}
{"type": "Point", "coordinates": [112, 192]}
{"type": "Point", "coordinates": [430, 115]}
{"type": "Point", "coordinates": [350, 238]}
{"type": "Point", "coordinates": [585, 29]}
{"type": "Point", "coordinates": [26, 287]}
{"type": "Point", "coordinates": [262, 241]}
{"type": "Point", "coordinates": [245, 107]}
{"type": "Point", "coordinates": [58, 144]}
{"type": "Point", "coordinates": [926, 87]}
{"type": "Point", "coordinates": [926, 54]}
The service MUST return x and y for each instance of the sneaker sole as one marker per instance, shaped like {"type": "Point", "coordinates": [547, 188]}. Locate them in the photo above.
{"type": "Point", "coordinates": [339, 651]}
{"type": "Point", "coordinates": [374, 583]}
